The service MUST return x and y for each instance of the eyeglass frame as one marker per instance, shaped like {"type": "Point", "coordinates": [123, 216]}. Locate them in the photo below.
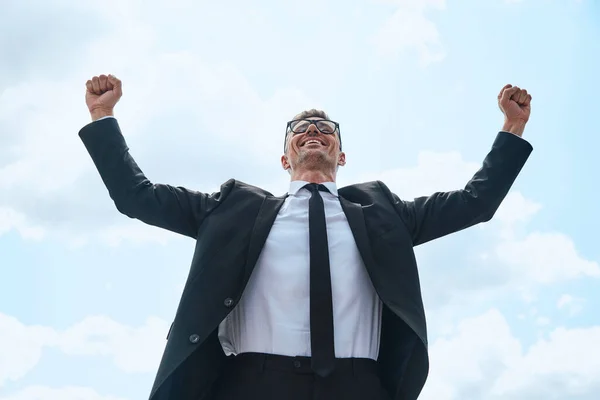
{"type": "Point", "coordinates": [288, 128]}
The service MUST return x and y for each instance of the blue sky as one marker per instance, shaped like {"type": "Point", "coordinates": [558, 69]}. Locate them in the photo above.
{"type": "Point", "coordinates": [87, 295]}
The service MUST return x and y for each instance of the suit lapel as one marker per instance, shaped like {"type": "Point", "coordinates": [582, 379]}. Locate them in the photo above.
{"type": "Point", "coordinates": [264, 221]}
{"type": "Point", "coordinates": [356, 220]}
{"type": "Point", "coordinates": [266, 217]}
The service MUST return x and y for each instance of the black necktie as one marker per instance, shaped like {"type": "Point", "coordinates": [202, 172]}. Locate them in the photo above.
{"type": "Point", "coordinates": [321, 306]}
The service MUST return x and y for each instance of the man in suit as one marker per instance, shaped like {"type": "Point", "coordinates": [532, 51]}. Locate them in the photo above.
{"type": "Point", "coordinates": [310, 295]}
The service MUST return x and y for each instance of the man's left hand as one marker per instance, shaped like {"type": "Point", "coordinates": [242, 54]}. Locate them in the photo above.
{"type": "Point", "coordinates": [515, 103]}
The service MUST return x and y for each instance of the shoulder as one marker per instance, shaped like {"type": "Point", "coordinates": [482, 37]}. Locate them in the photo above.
{"type": "Point", "coordinates": [233, 191]}
{"type": "Point", "coordinates": [364, 187]}
{"type": "Point", "coordinates": [245, 188]}
{"type": "Point", "coordinates": [365, 192]}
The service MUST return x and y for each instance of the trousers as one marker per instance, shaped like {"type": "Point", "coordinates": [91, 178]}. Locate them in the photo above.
{"type": "Point", "coordinates": [258, 376]}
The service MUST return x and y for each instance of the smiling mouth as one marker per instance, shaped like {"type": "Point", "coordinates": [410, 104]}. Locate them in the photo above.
{"type": "Point", "coordinates": [313, 141]}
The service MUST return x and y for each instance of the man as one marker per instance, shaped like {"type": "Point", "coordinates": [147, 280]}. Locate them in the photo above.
{"type": "Point", "coordinates": [310, 295]}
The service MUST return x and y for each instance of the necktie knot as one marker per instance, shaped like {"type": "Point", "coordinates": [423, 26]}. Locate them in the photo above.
{"type": "Point", "coordinates": [316, 187]}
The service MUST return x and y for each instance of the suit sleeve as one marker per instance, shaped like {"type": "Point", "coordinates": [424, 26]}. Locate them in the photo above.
{"type": "Point", "coordinates": [442, 213]}
{"type": "Point", "coordinates": [173, 208]}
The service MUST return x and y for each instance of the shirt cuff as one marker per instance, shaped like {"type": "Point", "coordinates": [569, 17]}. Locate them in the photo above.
{"type": "Point", "coordinates": [500, 131]}
{"type": "Point", "coordinates": [100, 119]}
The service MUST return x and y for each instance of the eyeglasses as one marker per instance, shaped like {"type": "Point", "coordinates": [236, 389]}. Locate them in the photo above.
{"type": "Point", "coordinates": [324, 126]}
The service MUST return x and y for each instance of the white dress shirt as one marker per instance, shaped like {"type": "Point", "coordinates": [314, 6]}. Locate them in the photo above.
{"type": "Point", "coordinates": [273, 314]}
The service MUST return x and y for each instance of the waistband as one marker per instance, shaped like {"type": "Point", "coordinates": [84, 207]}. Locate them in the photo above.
{"type": "Point", "coordinates": [301, 365]}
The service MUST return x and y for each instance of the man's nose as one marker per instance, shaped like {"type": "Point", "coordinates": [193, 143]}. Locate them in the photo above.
{"type": "Point", "coordinates": [312, 130]}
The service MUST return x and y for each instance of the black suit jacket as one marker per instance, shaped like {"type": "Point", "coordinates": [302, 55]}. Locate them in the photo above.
{"type": "Point", "coordinates": [231, 226]}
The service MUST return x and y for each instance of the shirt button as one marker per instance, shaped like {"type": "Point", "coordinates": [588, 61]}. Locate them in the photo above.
{"type": "Point", "coordinates": [194, 338]}
{"type": "Point", "coordinates": [297, 364]}
{"type": "Point", "coordinates": [228, 302]}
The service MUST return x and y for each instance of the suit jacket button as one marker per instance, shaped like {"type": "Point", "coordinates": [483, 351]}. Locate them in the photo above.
{"type": "Point", "coordinates": [228, 302]}
{"type": "Point", "coordinates": [194, 338]}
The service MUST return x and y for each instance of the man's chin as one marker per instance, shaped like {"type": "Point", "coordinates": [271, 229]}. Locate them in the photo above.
{"type": "Point", "coordinates": [311, 153]}
{"type": "Point", "coordinates": [314, 150]}
{"type": "Point", "coordinates": [315, 158]}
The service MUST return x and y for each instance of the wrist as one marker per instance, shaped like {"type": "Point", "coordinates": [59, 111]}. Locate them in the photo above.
{"type": "Point", "coordinates": [514, 127]}
{"type": "Point", "coordinates": [98, 113]}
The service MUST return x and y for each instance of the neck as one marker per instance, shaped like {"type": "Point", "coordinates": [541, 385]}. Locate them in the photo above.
{"type": "Point", "coordinates": [313, 176]}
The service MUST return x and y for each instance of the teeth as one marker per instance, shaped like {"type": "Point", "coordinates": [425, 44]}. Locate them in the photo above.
{"type": "Point", "coordinates": [313, 141]}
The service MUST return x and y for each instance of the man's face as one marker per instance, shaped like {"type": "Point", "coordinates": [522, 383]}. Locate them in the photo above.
{"type": "Point", "coordinates": [313, 145]}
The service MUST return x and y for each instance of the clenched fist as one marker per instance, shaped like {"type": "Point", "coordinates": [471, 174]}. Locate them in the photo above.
{"type": "Point", "coordinates": [515, 103]}
{"type": "Point", "coordinates": [102, 94]}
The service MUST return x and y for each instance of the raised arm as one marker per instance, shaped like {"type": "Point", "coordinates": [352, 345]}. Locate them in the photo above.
{"type": "Point", "coordinates": [442, 213]}
{"type": "Point", "coordinates": [174, 208]}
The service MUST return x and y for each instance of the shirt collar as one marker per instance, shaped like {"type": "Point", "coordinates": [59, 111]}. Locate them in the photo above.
{"type": "Point", "coordinates": [295, 186]}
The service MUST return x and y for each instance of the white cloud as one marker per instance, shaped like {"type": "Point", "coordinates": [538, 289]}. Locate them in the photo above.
{"type": "Point", "coordinates": [516, 208]}
{"type": "Point", "coordinates": [484, 360]}
{"type": "Point", "coordinates": [21, 347]}
{"type": "Point", "coordinates": [536, 257]}
{"type": "Point", "coordinates": [48, 144]}
{"type": "Point", "coordinates": [11, 219]}
{"type": "Point", "coordinates": [132, 349]}
{"type": "Point", "coordinates": [435, 171]}
{"type": "Point", "coordinates": [134, 233]}
{"type": "Point", "coordinates": [572, 305]}
{"type": "Point", "coordinates": [545, 257]}
{"type": "Point", "coordinates": [409, 29]}
{"type": "Point", "coordinates": [471, 357]}
{"type": "Point", "coordinates": [565, 362]}
{"type": "Point", "coordinates": [64, 393]}
{"type": "Point", "coordinates": [542, 321]}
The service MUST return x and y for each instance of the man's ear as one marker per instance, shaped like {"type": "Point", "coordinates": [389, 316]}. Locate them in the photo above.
{"type": "Point", "coordinates": [342, 159]}
{"type": "Point", "coordinates": [284, 162]}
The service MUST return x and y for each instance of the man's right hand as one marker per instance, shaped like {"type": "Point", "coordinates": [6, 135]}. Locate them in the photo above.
{"type": "Point", "coordinates": [102, 94]}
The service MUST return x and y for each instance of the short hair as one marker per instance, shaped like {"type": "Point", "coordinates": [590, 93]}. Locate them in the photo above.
{"type": "Point", "coordinates": [313, 112]}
